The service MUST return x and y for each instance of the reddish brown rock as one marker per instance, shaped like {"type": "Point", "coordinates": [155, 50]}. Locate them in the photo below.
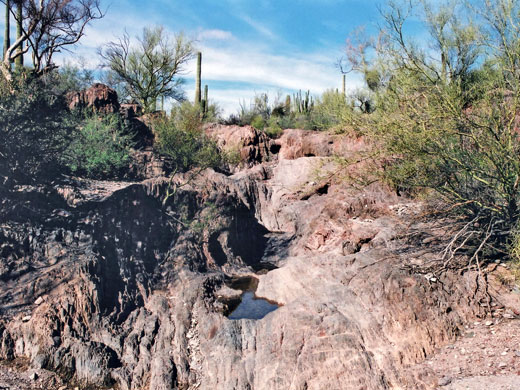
{"type": "Point", "coordinates": [134, 282]}
{"type": "Point", "coordinates": [252, 146]}
{"type": "Point", "coordinates": [295, 143]}
{"type": "Point", "coordinates": [131, 110]}
{"type": "Point", "coordinates": [99, 97]}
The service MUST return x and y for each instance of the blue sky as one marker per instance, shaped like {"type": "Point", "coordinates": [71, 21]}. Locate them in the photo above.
{"type": "Point", "coordinates": [248, 46]}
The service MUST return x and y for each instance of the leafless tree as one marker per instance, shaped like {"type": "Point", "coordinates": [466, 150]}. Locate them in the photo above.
{"type": "Point", "coordinates": [48, 27]}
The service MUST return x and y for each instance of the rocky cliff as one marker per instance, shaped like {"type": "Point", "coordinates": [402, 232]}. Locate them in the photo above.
{"type": "Point", "coordinates": [104, 284]}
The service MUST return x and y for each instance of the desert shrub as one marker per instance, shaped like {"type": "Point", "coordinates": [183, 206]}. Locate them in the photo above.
{"type": "Point", "coordinates": [72, 78]}
{"type": "Point", "coordinates": [100, 148]}
{"type": "Point", "coordinates": [189, 117]}
{"type": "Point", "coordinates": [273, 128]}
{"type": "Point", "coordinates": [183, 142]}
{"type": "Point", "coordinates": [332, 110]}
{"type": "Point", "coordinates": [258, 122]}
{"type": "Point", "coordinates": [35, 128]}
{"type": "Point", "coordinates": [449, 123]}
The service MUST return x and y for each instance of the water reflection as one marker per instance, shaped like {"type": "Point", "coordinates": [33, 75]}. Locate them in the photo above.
{"type": "Point", "coordinates": [252, 308]}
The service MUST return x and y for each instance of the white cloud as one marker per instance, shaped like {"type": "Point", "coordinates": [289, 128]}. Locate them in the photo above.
{"type": "Point", "coordinates": [259, 27]}
{"type": "Point", "coordinates": [218, 35]}
{"type": "Point", "coordinates": [247, 64]}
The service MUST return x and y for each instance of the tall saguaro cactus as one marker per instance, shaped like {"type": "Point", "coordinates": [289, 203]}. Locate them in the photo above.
{"type": "Point", "coordinates": [7, 32]}
{"type": "Point", "coordinates": [198, 95]}
{"type": "Point", "coordinates": [19, 31]}
{"type": "Point", "coordinates": [205, 102]}
{"type": "Point", "coordinates": [344, 89]}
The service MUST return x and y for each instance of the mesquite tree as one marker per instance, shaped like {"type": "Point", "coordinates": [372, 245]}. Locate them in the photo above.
{"type": "Point", "coordinates": [45, 27]}
{"type": "Point", "coordinates": [151, 68]}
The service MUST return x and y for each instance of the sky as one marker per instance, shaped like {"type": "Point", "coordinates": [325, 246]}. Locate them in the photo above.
{"type": "Point", "coordinates": [248, 47]}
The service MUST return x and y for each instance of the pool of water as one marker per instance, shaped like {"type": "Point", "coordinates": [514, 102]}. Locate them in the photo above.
{"type": "Point", "coordinates": [252, 308]}
{"type": "Point", "coordinates": [248, 306]}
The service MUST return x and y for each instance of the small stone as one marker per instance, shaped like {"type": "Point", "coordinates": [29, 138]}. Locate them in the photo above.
{"type": "Point", "coordinates": [62, 388]}
{"type": "Point", "coordinates": [26, 319]}
{"type": "Point", "coordinates": [476, 323]}
{"type": "Point", "coordinates": [39, 301]}
{"type": "Point", "coordinates": [445, 381]}
{"type": "Point", "coordinates": [502, 365]}
{"type": "Point", "coordinates": [504, 353]}
{"type": "Point", "coordinates": [509, 315]}
{"type": "Point", "coordinates": [488, 323]}
{"type": "Point", "coordinates": [33, 376]}
{"type": "Point", "coordinates": [517, 353]}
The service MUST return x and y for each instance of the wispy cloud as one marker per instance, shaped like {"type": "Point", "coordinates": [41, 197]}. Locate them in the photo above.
{"type": "Point", "coordinates": [259, 27]}
{"type": "Point", "coordinates": [218, 35]}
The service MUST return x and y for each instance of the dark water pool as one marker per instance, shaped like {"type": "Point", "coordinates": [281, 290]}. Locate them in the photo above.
{"type": "Point", "coordinates": [252, 308]}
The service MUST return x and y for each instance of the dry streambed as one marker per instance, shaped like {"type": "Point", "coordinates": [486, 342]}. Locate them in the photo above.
{"type": "Point", "coordinates": [139, 297]}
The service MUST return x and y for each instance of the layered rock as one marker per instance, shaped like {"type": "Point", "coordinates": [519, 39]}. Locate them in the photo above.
{"type": "Point", "coordinates": [108, 284]}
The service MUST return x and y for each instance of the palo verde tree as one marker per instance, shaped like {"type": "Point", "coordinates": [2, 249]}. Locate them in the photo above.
{"type": "Point", "coordinates": [150, 69]}
{"type": "Point", "coordinates": [44, 28]}
{"type": "Point", "coordinates": [448, 113]}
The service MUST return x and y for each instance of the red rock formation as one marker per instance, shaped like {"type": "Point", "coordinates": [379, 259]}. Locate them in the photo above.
{"type": "Point", "coordinates": [99, 97]}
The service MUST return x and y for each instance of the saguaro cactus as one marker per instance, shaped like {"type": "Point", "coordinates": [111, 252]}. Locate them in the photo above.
{"type": "Point", "coordinates": [344, 89]}
{"type": "Point", "coordinates": [7, 33]}
{"type": "Point", "coordinates": [287, 107]}
{"type": "Point", "coordinates": [205, 101]}
{"type": "Point", "coordinates": [198, 95]}
{"type": "Point", "coordinates": [19, 31]}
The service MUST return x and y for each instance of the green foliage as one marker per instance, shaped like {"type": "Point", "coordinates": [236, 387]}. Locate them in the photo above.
{"type": "Point", "coordinates": [449, 123]}
{"type": "Point", "coordinates": [150, 69]}
{"type": "Point", "coordinates": [35, 128]}
{"type": "Point", "coordinates": [331, 111]}
{"type": "Point", "coordinates": [73, 78]}
{"type": "Point", "coordinates": [273, 128]}
{"type": "Point", "coordinates": [100, 149]}
{"type": "Point", "coordinates": [258, 122]}
{"type": "Point", "coordinates": [181, 139]}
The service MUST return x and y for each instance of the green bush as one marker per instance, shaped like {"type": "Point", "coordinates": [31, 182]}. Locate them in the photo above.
{"type": "Point", "coordinates": [258, 122]}
{"type": "Point", "coordinates": [35, 128]}
{"type": "Point", "coordinates": [332, 110]}
{"type": "Point", "coordinates": [448, 124]}
{"type": "Point", "coordinates": [100, 149]}
{"type": "Point", "coordinates": [181, 139]}
{"type": "Point", "coordinates": [273, 128]}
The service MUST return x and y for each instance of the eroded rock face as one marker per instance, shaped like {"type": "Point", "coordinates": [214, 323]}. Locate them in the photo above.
{"type": "Point", "coordinates": [251, 145]}
{"type": "Point", "coordinates": [104, 284]}
{"type": "Point", "coordinates": [98, 97]}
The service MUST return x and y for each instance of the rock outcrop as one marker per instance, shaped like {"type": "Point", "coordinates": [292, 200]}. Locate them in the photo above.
{"type": "Point", "coordinates": [98, 97]}
{"type": "Point", "coordinates": [250, 145]}
{"type": "Point", "coordinates": [108, 284]}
